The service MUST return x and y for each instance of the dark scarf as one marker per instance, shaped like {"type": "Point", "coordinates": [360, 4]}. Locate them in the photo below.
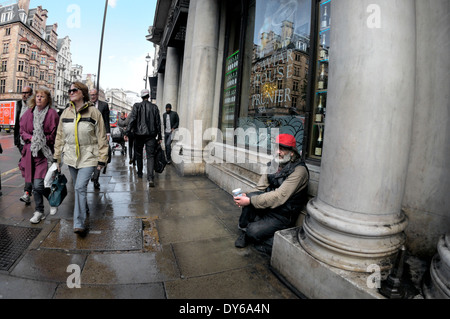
{"type": "Point", "coordinates": [276, 179]}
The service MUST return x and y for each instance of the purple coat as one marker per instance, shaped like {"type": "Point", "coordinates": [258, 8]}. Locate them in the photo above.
{"type": "Point", "coordinates": [37, 165]}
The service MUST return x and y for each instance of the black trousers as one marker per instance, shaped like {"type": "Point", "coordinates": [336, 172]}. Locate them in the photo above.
{"type": "Point", "coordinates": [261, 224]}
{"type": "Point", "coordinates": [131, 145]}
{"type": "Point", "coordinates": [150, 144]}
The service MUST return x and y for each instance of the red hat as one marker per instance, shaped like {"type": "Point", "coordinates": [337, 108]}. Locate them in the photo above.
{"type": "Point", "coordinates": [286, 140]}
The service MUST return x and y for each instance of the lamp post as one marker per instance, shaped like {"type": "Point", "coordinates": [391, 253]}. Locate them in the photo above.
{"type": "Point", "coordinates": [101, 47]}
{"type": "Point", "coordinates": [147, 59]}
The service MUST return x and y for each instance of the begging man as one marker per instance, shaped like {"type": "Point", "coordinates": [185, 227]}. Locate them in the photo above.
{"type": "Point", "coordinates": [278, 199]}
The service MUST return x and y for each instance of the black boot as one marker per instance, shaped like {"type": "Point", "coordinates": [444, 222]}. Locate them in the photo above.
{"type": "Point", "coordinates": [242, 241]}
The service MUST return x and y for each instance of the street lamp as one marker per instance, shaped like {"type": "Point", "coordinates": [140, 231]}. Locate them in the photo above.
{"type": "Point", "coordinates": [147, 59]}
{"type": "Point", "coordinates": [101, 46]}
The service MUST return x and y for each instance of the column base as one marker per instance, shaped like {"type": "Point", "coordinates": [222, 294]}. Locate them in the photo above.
{"type": "Point", "coordinates": [352, 241]}
{"type": "Point", "coordinates": [437, 282]}
{"type": "Point", "coordinates": [313, 278]}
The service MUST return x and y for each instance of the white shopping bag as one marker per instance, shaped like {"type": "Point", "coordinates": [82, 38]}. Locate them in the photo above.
{"type": "Point", "coordinates": [50, 176]}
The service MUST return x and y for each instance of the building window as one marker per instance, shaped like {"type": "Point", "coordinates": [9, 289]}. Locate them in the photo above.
{"type": "Point", "coordinates": [6, 16]}
{"type": "Point", "coordinates": [23, 49]}
{"type": "Point", "coordinates": [2, 85]}
{"type": "Point", "coordinates": [19, 85]}
{"type": "Point", "coordinates": [4, 65]}
{"type": "Point", "coordinates": [8, 31]}
{"type": "Point", "coordinates": [33, 55]}
{"type": "Point", "coordinates": [21, 67]}
{"type": "Point", "coordinates": [43, 60]}
{"type": "Point", "coordinates": [273, 47]}
{"type": "Point", "coordinates": [32, 71]}
{"type": "Point", "coordinates": [5, 47]}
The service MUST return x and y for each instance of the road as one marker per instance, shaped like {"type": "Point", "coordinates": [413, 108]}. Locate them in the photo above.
{"type": "Point", "coordinates": [10, 157]}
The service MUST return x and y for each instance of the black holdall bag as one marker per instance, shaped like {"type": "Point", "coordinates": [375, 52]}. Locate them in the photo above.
{"type": "Point", "coordinates": [58, 190]}
{"type": "Point", "coordinates": [160, 160]}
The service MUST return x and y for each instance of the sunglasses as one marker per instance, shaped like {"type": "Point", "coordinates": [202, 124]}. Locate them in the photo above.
{"type": "Point", "coordinates": [73, 91]}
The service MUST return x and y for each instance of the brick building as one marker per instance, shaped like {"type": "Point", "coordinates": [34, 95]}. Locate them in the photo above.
{"type": "Point", "coordinates": [28, 49]}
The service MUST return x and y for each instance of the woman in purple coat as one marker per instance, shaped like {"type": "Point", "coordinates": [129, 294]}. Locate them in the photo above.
{"type": "Point", "coordinates": [38, 128]}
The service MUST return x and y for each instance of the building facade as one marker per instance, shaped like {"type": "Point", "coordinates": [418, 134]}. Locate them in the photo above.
{"type": "Point", "coordinates": [28, 49]}
{"type": "Point", "coordinates": [63, 75]}
{"type": "Point", "coordinates": [118, 100]}
{"type": "Point", "coordinates": [361, 84]}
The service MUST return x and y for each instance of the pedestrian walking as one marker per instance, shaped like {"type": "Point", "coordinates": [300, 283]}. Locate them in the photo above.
{"type": "Point", "coordinates": [1, 152]}
{"type": "Point", "coordinates": [171, 122]}
{"type": "Point", "coordinates": [81, 139]}
{"type": "Point", "coordinates": [38, 128]}
{"type": "Point", "coordinates": [145, 120]}
{"type": "Point", "coordinates": [276, 202]}
{"type": "Point", "coordinates": [21, 108]}
{"type": "Point", "coordinates": [103, 108]}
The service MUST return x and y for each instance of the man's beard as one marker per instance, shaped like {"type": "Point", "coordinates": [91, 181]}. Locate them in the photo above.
{"type": "Point", "coordinates": [283, 160]}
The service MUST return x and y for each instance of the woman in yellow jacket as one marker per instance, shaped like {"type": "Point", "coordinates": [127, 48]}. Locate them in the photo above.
{"type": "Point", "coordinates": [81, 140]}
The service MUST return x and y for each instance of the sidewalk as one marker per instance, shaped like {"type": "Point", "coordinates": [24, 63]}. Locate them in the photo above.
{"type": "Point", "coordinates": [174, 241]}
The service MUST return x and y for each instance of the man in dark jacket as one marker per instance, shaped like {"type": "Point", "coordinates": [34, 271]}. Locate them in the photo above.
{"type": "Point", "coordinates": [171, 122]}
{"type": "Point", "coordinates": [21, 108]}
{"type": "Point", "coordinates": [103, 107]}
{"type": "Point", "coordinates": [145, 121]}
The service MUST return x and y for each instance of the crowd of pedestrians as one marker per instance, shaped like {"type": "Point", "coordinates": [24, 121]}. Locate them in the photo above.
{"type": "Point", "coordinates": [80, 138]}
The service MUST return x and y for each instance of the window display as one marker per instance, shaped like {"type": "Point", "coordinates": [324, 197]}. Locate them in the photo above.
{"type": "Point", "coordinates": [320, 93]}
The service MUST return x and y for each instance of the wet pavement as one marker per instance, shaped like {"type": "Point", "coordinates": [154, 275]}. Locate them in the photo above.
{"type": "Point", "coordinates": [174, 241]}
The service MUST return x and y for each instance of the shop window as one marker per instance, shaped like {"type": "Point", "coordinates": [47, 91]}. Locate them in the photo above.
{"type": "Point", "coordinates": [270, 55]}
{"type": "Point", "coordinates": [319, 110]}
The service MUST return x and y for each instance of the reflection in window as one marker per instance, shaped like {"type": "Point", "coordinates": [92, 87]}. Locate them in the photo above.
{"type": "Point", "coordinates": [275, 69]}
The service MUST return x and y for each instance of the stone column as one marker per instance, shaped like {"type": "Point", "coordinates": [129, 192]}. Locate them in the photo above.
{"type": "Point", "coordinates": [201, 82]}
{"type": "Point", "coordinates": [171, 80]}
{"type": "Point", "coordinates": [436, 284]}
{"type": "Point", "coordinates": [183, 103]}
{"type": "Point", "coordinates": [356, 220]}
{"type": "Point", "coordinates": [160, 91]}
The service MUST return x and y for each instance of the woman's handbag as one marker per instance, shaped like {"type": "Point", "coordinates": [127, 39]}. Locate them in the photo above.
{"type": "Point", "coordinates": [58, 190]}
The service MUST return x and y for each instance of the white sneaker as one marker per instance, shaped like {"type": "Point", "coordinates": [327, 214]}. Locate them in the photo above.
{"type": "Point", "coordinates": [53, 210]}
{"type": "Point", "coordinates": [26, 198]}
{"type": "Point", "coordinates": [37, 217]}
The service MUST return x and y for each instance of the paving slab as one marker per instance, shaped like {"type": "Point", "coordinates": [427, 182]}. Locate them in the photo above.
{"type": "Point", "coordinates": [210, 256]}
{"type": "Point", "coordinates": [141, 291]}
{"type": "Point", "coordinates": [130, 268]}
{"type": "Point", "coordinates": [191, 228]}
{"type": "Point", "coordinates": [104, 234]}
{"type": "Point", "coordinates": [20, 288]}
{"type": "Point", "coordinates": [47, 265]}
{"type": "Point", "coordinates": [246, 283]}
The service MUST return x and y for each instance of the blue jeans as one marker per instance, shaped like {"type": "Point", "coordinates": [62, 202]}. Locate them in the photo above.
{"type": "Point", "coordinates": [80, 178]}
{"type": "Point", "coordinates": [168, 144]}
